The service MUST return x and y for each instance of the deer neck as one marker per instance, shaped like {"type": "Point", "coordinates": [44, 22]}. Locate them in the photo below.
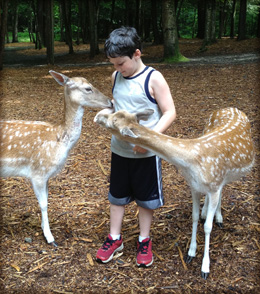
{"type": "Point", "coordinates": [177, 151]}
{"type": "Point", "coordinates": [72, 122]}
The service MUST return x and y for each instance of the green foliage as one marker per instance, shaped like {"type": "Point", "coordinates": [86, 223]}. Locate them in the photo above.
{"type": "Point", "coordinates": [187, 11]}
{"type": "Point", "coordinates": [23, 37]}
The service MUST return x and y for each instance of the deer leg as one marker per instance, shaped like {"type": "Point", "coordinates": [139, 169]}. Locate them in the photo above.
{"type": "Point", "coordinates": [195, 220]}
{"type": "Point", "coordinates": [204, 210]}
{"type": "Point", "coordinates": [218, 215]}
{"type": "Point", "coordinates": [213, 200]}
{"type": "Point", "coordinates": [40, 187]}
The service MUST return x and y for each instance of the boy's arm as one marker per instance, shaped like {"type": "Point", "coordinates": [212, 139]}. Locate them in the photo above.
{"type": "Point", "coordinates": [160, 90]}
{"type": "Point", "coordinates": [113, 78]}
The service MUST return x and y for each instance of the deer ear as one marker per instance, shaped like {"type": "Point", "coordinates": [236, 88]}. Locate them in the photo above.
{"type": "Point", "coordinates": [144, 115]}
{"type": "Point", "coordinates": [59, 78]}
{"type": "Point", "coordinates": [127, 132]}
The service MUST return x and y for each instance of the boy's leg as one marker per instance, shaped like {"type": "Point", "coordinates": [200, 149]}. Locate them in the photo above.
{"type": "Point", "coordinates": [113, 242]}
{"type": "Point", "coordinates": [145, 221]}
{"type": "Point", "coordinates": [144, 244]}
{"type": "Point", "coordinates": [116, 218]}
{"type": "Point", "coordinates": [147, 185]}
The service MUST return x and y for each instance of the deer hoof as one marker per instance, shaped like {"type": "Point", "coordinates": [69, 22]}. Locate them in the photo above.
{"type": "Point", "coordinates": [188, 259]}
{"type": "Point", "coordinates": [220, 225]}
{"type": "Point", "coordinates": [54, 244]}
{"type": "Point", "coordinates": [204, 275]}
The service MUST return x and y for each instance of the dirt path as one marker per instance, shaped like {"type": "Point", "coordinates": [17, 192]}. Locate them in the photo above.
{"type": "Point", "coordinates": [24, 55]}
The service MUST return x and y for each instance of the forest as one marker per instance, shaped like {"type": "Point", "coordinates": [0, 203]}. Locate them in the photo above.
{"type": "Point", "coordinates": [158, 22]}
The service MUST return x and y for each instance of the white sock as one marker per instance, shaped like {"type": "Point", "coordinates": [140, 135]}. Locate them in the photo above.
{"type": "Point", "coordinates": [115, 237]}
{"type": "Point", "coordinates": [140, 238]}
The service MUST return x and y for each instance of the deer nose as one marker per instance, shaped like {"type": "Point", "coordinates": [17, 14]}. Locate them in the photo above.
{"type": "Point", "coordinates": [111, 104]}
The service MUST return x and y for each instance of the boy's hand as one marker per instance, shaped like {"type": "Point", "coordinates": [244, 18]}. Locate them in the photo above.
{"type": "Point", "coordinates": [139, 149]}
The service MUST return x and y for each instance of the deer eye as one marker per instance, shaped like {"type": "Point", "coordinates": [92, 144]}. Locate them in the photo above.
{"type": "Point", "coordinates": [88, 90]}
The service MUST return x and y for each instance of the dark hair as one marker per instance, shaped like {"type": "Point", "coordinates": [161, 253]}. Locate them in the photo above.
{"type": "Point", "coordinates": [122, 42]}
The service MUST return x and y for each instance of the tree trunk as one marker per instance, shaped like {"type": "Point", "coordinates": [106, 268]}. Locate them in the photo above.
{"type": "Point", "coordinates": [111, 17]}
{"type": "Point", "coordinates": [233, 16]}
{"type": "Point", "coordinates": [154, 15]}
{"type": "Point", "coordinates": [93, 16]}
{"type": "Point", "coordinates": [170, 34]}
{"type": "Point", "coordinates": [213, 23]}
{"type": "Point", "coordinates": [258, 25]}
{"type": "Point", "coordinates": [3, 21]}
{"type": "Point", "coordinates": [194, 23]}
{"type": "Point", "coordinates": [242, 20]}
{"type": "Point", "coordinates": [30, 26]}
{"type": "Point", "coordinates": [38, 13]}
{"type": "Point", "coordinates": [49, 33]}
{"type": "Point", "coordinates": [209, 35]}
{"type": "Point", "coordinates": [201, 18]}
{"type": "Point", "coordinates": [61, 12]}
{"type": "Point", "coordinates": [15, 23]}
{"type": "Point", "coordinates": [6, 28]}
{"type": "Point", "coordinates": [66, 7]}
{"type": "Point", "coordinates": [222, 17]}
{"type": "Point", "coordinates": [83, 21]}
{"type": "Point", "coordinates": [129, 14]}
{"type": "Point", "coordinates": [178, 7]}
{"type": "Point", "coordinates": [138, 11]}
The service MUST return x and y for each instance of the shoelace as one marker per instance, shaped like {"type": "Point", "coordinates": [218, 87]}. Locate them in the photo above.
{"type": "Point", "coordinates": [143, 247]}
{"type": "Point", "coordinates": [107, 244]}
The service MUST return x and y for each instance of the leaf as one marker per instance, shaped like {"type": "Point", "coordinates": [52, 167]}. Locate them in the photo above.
{"type": "Point", "coordinates": [90, 260]}
{"type": "Point", "coordinates": [15, 267]}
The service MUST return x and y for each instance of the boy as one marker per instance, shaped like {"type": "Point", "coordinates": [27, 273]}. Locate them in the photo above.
{"type": "Point", "coordinates": [135, 172]}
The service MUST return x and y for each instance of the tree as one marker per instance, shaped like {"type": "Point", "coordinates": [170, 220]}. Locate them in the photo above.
{"type": "Point", "coordinates": [242, 20]}
{"type": "Point", "coordinates": [170, 34]}
{"type": "Point", "coordinates": [201, 18]}
{"type": "Point", "coordinates": [66, 9]}
{"type": "Point", "coordinates": [3, 21]}
{"type": "Point", "coordinates": [222, 18]}
{"type": "Point", "coordinates": [154, 14]}
{"type": "Point", "coordinates": [49, 31]}
{"type": "Point", "coordinates": [258, 24]}
{"type": "Point", "coordinates": [14, 17]}
{"type": "Point", "coordinates": [138, 18]}
{"type": "Point", "coordinates": [233, 16]}
{"type": "Point", "coordinates": [39, 15]}
{"type": "Point", "coordinates": [93, 16]}
{"type": "Point", "coordinates": [83, 20]}
{"type": "Point", "coordinates": [61, 23]}
{"type": "Point", "coordinates": [210, 32]}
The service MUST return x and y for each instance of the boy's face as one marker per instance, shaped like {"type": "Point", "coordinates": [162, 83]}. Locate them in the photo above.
{"type": "Point", "coordinates": [125, 65]}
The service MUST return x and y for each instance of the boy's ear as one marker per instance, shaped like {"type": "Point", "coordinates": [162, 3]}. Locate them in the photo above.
{"type": "Point", "coordinates": [137, 53]}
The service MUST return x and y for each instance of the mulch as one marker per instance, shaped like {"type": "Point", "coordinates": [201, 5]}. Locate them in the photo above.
{"type": "Point", "coordinates": [78, 205]}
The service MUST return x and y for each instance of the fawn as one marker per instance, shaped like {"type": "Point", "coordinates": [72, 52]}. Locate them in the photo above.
{"type": "Point", "coordinates": [224, 153]}
{"type": "Point", "coordinates": [38, 150]}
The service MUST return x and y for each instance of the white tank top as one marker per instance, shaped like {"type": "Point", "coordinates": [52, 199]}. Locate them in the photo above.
{"type": "Point", "coordinates": [132, 94]}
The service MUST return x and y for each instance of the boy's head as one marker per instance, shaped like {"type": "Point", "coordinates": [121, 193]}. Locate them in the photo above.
{"type": "Point", "coordinates": [122, 42]}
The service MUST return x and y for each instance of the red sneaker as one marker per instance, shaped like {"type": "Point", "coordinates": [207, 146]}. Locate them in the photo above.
{"type": "Point", "coordinates": [109, 248]}
{"type": "Point", "coordinates": [144, 253]}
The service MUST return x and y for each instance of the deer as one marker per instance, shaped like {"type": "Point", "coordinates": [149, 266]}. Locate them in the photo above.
{"type": "Point", "coordinates": [222, 154]}
{"type": "Point", "coordinates": [38, 150]}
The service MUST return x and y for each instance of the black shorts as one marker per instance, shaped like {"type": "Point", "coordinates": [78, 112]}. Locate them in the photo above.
{"type": "Point", "coordinates": [136, 179]}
